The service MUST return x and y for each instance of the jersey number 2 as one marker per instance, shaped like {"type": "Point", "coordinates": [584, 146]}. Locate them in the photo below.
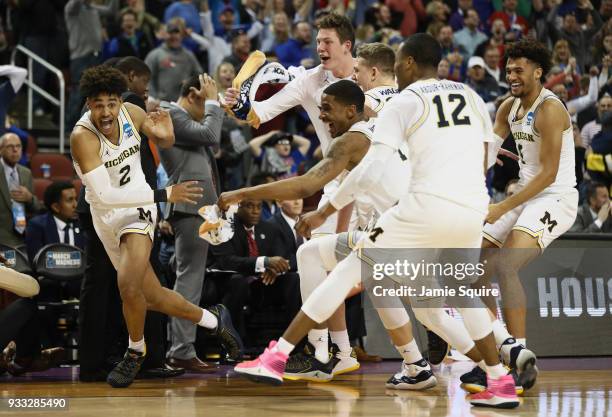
{"type": "Point", "coordinates": [457, 121]}
{"type": "Point", "coordinates": [125, 171]}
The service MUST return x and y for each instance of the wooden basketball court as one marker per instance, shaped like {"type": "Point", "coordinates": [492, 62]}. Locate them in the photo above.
{"type": "Point", "coordinates": [584, 390]}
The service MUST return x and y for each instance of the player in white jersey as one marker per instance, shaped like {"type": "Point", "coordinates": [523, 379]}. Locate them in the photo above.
{"type": "Point", "coordinates": [342, 109]}
{"type": "Point", "coordinates": [335, 40]}
{"type": "Point", "coordinates": [445, 127]}
{"type": "Point", "coordinates": [105, 146]}
{"type": "Point", "coordinates": [546, 204]}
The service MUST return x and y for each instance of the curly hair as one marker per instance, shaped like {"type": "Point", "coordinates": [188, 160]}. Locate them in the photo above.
{"type": "Point", "coordinates": [341, 24]}
{"type": "Point", "coordinates": [102, 80]}
{"type": "Point", "coordinates": [532, 50]}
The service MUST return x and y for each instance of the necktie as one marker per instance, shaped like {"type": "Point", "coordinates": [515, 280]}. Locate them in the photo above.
{"type": "Point", "coordinates": [18, 209]}
{"type": "Point", "coordinates": [253, 251]}
{"type": "Point", "coordinates": [67, 234]}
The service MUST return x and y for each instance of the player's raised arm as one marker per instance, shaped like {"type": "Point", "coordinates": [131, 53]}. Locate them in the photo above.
{"type": "Point", "coordinates": [156, 125]}
{"type": "Point", "coordinates": [338, 158]}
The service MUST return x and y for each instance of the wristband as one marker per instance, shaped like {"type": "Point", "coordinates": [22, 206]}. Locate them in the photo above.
{"type": "Point", "coordinates": [160, 196]}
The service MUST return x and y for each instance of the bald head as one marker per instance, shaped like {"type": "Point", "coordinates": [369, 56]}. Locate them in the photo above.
{"type": "Point", "coordinates": [10, 148]}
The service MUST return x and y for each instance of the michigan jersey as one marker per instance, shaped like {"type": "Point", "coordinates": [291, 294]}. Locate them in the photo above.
{"type": "Point", "coordinates": [122, 161]}
{"type": "Point", "coordinates": [528, 142]}
{"type": "Point", "coordinates": [445, 125]}
{"type": "Point", "coordinates": [377, 97]}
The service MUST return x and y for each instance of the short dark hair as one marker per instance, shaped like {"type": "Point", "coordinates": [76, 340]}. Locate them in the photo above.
{"type": "Point", "coordinates": [111, 62]}
{"type": "Point", "coordinates": [378, 55]}
{"type": "Point", "coordinates": [423, 48]}
{"type": "Point", "coordinates": [102, 80]}
{"type": "Point", "coordinates": [591, 189]}
{"type": "Point", "coordinates": [53, 193]}
{"type": "Point", "coordinates": [347, 93]}
{"type": "Point", "coordinates": [262, 178]}
{"type": "Point", "coordinates": [532, 50]}
{"type": "Point", "coordinates": [193, 81]}
{"type": "Point", "coordinates": [131, 63]}
{"type": "Point", "coordinates": [126, 12]}
{"type": "Point", "coordinates": [341, 24]}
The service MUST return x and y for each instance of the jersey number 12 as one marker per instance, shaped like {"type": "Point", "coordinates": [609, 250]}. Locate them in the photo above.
{"type": "Point", "coordinates": [457, 120]}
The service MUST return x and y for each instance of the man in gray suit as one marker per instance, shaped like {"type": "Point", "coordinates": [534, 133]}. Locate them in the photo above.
{"type": "Point", "coordinates": [17, 201]}
{"type": "Point", "coordinates": [197, 119]}
{"type": "Point", "coordinates": [594, 214]}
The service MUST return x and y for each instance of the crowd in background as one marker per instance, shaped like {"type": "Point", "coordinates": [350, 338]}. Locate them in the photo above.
{"type": "Point", "coordinates": [178, 40]}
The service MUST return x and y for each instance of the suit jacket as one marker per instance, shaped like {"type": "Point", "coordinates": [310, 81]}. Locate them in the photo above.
{"type": "Point", "coordinates": [287, 238]}
{"type": "Point", "coordinates": [8, 236]}
{"type": "Point", "coordinates": [191, 157]}
{"type": "Point", "coordinates": [233, 255]}
{"type": "Point", "coordinates": [42, 230]}
{"type": "Point", "coordinates": [585, 222]}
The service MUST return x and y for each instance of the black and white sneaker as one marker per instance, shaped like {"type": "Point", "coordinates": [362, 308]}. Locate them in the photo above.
{"type": "Point", "coordinates": [437, 348]}
{"type": "Point", "coordinates": [523, 360]}
{"type": "Point", "coordinates": [413, 376]}
{"type": "Point", "coordinates": [305, 366]}
{"type": "Point", "coordinates": [226, 333]}
{"type": "Point", "coordinates": [475, 381]}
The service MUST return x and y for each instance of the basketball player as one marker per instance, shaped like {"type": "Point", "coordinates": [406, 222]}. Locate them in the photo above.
{"type": "Point", "coordinates": [546, 204]}
{"type": "Point", "coordinates": [342, 109]}
{"type": "Point", "coordinates": [105, 148]}
{"type": "Point", "coordinates": [445, 126]}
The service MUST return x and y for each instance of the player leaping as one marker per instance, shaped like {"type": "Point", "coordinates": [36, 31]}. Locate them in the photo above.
{"type": "Point", "coordinates": [105, 145]}
{"type": "Point", "coordinates": [546, 204]}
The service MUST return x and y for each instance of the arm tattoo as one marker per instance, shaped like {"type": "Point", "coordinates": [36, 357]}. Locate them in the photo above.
{"type": "Point", "coordinates": [337, 152]}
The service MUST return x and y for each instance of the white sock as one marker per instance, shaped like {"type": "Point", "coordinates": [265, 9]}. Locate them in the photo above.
{"type": "Point", "coordinates": [500, 332]}
{"type": "Point", "coordinates": [410, 352]}
{"type": "Point", "coordinates": [522, 341]}
{"type": "Point", "coordinates": [208, 320]}
{"type": "Point", "coordinates": [318, 338]}
{"type": "Point", "coordinates": [284, 347]}
{"type": "Point", "coordinates": [341, 339]}
{"type": "Point", "coordinates": [137, 346]}
{"type": "Point", "coordinates": [496, 371]}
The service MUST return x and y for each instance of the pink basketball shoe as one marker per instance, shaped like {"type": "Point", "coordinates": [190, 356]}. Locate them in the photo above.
{"type": "Point", "coordinates": [268, 367]}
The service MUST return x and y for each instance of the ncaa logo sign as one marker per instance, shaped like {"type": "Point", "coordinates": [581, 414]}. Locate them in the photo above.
{"type": "Point", "coordinates": [530, 116]}
{"type": "Point", "coordinates": [128, 129]}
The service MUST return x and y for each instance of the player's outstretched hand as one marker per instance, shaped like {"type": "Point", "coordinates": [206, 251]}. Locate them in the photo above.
{"type": "Point", "coordinates": [495, 212]}
{"type": "Point", "coordinates": [231, 97]}
{"type": "Point", "coordinates": [228, 198]}
{"type": "Point", "coordinates": [309, 222]}
{"type": "Point", "coordinates": [185, 192]}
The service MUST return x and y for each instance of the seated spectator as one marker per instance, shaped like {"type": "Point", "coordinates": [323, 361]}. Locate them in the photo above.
{"type": "Point", "coordinates": [470, 37]}
{"type": "Point", "coordinates": [593, 127]}
{"type": "Point", "coordinates": [59, 224]}
{"type": "Point", "coordinates": [19, 202]}
{"type": "Point", "coordinates": [260, 261]}
{"type": "Point", "coordinates": [131, 42]}
{"type": "Point", "coordinates": [411, 12]}
{"type": "Point", "coordinates": [279, 153]}
{"type": "Point", "coordinates": [146, 22]}
{"type": "Point", "coordinates": [286, 219]}
{"type": "Point", "coordinates": [269, 208]}
{"type": "Point", "coordinates": [562, 56]}
{"type": "Point", "coordinates": [381, 16]}
{"type": "Point", "coordinates": [444, 69]}
{"type": "Point", "coordinates": [483, 83]}
{"type": "Point", "coordinates": [241, 48]}
{"type": "Point", "coordinates": [277, 32]}
{"type": "Point", "coordinates": [297, 51]}
{"type": "Point", "coordinates": [600, 153]}
{"type": "Point", "coordinates": [170, 64]}
{"type": "Point", "coordinates": [594, 214]}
